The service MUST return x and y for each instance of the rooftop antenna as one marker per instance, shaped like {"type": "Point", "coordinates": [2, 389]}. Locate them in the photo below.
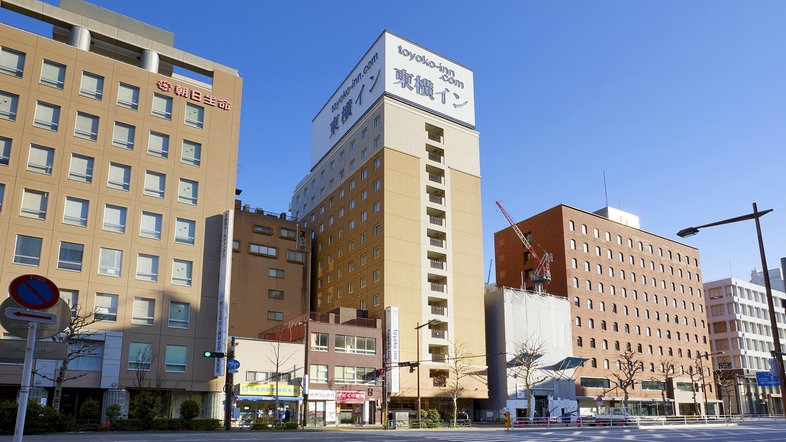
{"type": "Point", "coordinates": [605, 190]}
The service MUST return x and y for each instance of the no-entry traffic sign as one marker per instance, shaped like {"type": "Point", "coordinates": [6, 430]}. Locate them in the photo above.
{"type": "Point", "coordinates": [34, 292]}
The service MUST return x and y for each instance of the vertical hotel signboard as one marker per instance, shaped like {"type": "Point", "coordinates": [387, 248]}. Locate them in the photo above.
{"type": "Point", "coordinates": [224, 276]}
{"type": "Point", "coordinates": [393, 341]}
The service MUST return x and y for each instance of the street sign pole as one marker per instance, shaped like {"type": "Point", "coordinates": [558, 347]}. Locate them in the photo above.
{"type": "Point", "coordinates": [24, 391]}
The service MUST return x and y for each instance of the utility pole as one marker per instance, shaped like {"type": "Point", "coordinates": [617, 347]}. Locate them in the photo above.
{"type": "Point", "coordinates": [229, 388]}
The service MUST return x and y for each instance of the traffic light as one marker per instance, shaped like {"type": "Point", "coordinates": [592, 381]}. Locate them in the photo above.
{"type": "Point", "coordinates": [380, 372]}
{"type": "Point", "coordinates": [213, 354]}
{"type": "Point", "coordinates": [403, 364]}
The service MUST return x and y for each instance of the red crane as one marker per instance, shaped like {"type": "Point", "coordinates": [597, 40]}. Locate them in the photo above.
{"type": "Point", "coordinates": [542, 274]}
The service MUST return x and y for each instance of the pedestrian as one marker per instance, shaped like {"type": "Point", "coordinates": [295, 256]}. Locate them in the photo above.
{"type": "Point", "coordinates": [286, 415]}
{"type": "Point", "coordinates": [507, 420]}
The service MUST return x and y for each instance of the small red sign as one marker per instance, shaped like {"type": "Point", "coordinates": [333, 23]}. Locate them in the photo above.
{"type": "Point", "coordinates": [351, 397]}
{"type": "Point", "coordinates": [34, 292]}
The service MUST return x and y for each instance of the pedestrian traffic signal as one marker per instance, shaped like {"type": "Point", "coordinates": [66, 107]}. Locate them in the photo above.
{"type": "Point", "coordinates": [213, 354]}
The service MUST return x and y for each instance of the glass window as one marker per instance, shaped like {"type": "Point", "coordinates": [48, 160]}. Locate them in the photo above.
{"type": "Point", "coordinates": [106, 307]}
{"type": "Point", "coordinates": [195, 115]}
{"type": "Point", "coordinates": [41, 159]}
{"type": "Point", "coordinates": [53, 74]}
{"type": "Point", "coordinates": [147, 267]}
{"type": "Point", "coordinates": [47, 116]}
{"type": "Point", "coordinates": [144, 311]}
{"type": "Point", "coordinates": [92, 85]}
{"type": "Point", "coordinates": [188, 192]}
{"type": "Point", "coordinates": [139, 356]}
{"type": "Point", "coordinates": [70, 297]}
{"type": "Point", "coordinates": [119, 176]}
{"type": "Point", "coordinates": [179, 313]}
{"type": "Point", "coordinates": [191, 153]}
{"type": "Point", "coordinates": [128, 96]}
{"type": "Point", "coordinates": [185, 231]}
{"type": "Point", "coordinates": [263, 250]}
{"type": "Point", "coordinates": [158, 145]}
{"type": "Point", "coordinates": [123, 136]}
{"type": "Point", "coordinates": [150, 225]}
{"type": "Point", "coordinates": [5, 151]}
{"type": "Point", "coordinates": [275, 316]}
{"type": "Point", "coordinates": [81, 168]}
{"type": "Point", "coordinates": [114, 218]}
{"type": "Point", "coordinates": [8, 104]}
{"type": "Point", "coordinates": [110, 262]}
{"type": "Point", "coordinates": [162, 106]}
{"type": "Point", "coordinates": [155, 184]}
{"type": "Point", "coordinates": [181, 272]}
{"type": "Point", "coordinates": [34, 204]}
{"type": "Point", "coordinates": [75, 212]}
{"type": "Point", "coordinates": [275, 294]}
{"type": "Point", "coordinates": [28, 250]}
{"type": "Point", "coordinates": [70, 257]}
{"type": "Point", "coordinates": [318, 373]}
{"type": "Point", "coordinates": [2, 195]}
{"type": "Point", "coordinates": [176, 358]}
{"type": "Point", "coordinates": [12, 62]}
{"type": "Point", "coordinates": [86, 126]}
{"type": "Point", "coordinates": [296, 256]}
{"type": "Point", "coordinates": [275, 273]}
{"type": "Point", "coordinates": [90, 355]}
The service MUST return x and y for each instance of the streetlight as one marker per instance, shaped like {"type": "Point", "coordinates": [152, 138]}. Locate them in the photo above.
{"type": "Point", "coordinates": [419, 326]}
{"type": "Point", "coordinates": [703, 381]}
{"type": "Point", "coordinates": [778, 353]}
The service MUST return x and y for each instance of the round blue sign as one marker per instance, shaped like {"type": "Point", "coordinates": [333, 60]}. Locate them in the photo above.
{"type": "Point", "coordinates": [34, 292]}
{"type": "Point", "coordinates": [233, 364]}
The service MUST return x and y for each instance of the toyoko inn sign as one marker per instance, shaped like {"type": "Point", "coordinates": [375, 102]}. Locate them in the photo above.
{"type": "Point", "coordinates": [401, 68]}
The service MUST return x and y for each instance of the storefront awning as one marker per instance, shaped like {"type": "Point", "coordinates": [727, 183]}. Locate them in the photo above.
{"type": "Point", "coordinates": [269, 398]}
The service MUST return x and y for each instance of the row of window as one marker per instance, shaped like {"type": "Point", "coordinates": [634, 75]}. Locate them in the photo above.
{"type": "Point", "coordinates": [613, 290]}
{"type": "Point", "coordinates": [27, 251]}
{"type": "Point", "coordinates": [639, 349]}
{"type": "Point", "coordinates": [648, 330]}
{"type": "Point", "coordinates": [610, 254]}
{"type": "Point", "coordinates": [140, 357]}
{"type": "Point", "coordinates": [143, 310]}
{"type": "Point", "coordinates": [318, 373]}
{"type": "Point", "coordinates": [650, 249]}
{"type": "Point", "coordinates": [270, 252]}
{"type": "Point", "coordinates": [283, 232]}
{"type": "Point", "coordinates": [331, 185]}
{"type": "Point", "coordinates": [344, 344]}
{"type": "Point", "coordinates": [602, 304]}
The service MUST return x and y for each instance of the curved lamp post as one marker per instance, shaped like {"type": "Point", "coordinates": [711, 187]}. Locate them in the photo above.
{"type": "Point", "coordinates": [778, 354]}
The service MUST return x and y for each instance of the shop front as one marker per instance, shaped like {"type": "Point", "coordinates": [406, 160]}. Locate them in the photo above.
{"type": "Point", "coordinates": [256, 402]}
{"type": "Point", "coordinates": [351, 407]}
{"type": "Point", "coordinates": [321, 408]}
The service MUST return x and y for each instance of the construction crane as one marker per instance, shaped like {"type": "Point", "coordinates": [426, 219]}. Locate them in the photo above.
{"type": "Point", "coordinates": [542, 275]}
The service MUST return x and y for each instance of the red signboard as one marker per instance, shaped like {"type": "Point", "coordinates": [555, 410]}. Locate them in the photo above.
{"type": "Point", "coordinates": [351, 397]}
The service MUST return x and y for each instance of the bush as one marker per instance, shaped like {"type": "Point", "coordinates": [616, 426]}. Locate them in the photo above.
{"type": "Point", "coordinates": [145, 408]}
{"type": "Point", "coordinates": [205, 424]}
{"type": "Point", "coordinates": [90, 409]}
{"type": "Point", "coordinates": [189, 409]}
{"type": "Point", "coordinates": [259, 426]}
{"type": "Point", "coordinates": [38, 419]}
{"type": "Point", "coordinates": [128, 425]}
{"type": "Point", "coordinates": [113, 414]}
{"type": "Point", "coordinates": [90, 426]}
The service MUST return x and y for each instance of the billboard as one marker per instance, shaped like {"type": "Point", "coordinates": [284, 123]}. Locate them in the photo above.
{"type": "Point", "coordinates": [395, 67]}
{"type": "Point", "coordinates": [393, 341]}
{"type": "Point", "coordinates": [224, 278]}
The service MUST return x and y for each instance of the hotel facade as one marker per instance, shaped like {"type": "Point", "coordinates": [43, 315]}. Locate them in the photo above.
{"type": "Point", "coordinates": [117, 177]}
{"type": "Point", "coordinates": [393, 199]}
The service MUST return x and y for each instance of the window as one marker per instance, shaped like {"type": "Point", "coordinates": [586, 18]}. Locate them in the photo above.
{"type": "Point", "coordinates": [319, 341]}
{"type": "Point", "coordinates": [40, 159]}
{"type": "Point", "coordinates": [8, 104]}
{"type": "Point", "coordinates": [70, 257]}
{"type": "Point", "coordinates": [147, 268]}
{"type": "Point", "coordinates": [110, 262]}
{"type": "Point", "coordinates": [106, 307]}
{"type": "Point", "coordinates": [47, 116]}
{"type": "Point", "coordinates": [263, 250]}
{"type": "Point", "coordinates": [34, 204]}
{"type": "Point", "coordinates": [275, 273]}
{"type": "Point", "coordinates": [355, 344]}
{"type": "Point", "coordinates": [115, 219]}
{"type": "Point", "coordinates": [139, 356]}
{"type": "Point", "coordinates": [86, 126]}
{"type": "Point", "coordinates": [123, 136]}
{"type": "Point", "coordinates": [162, 106]}
{"type": "Point", "coordinates": [275, 294]}
{"type": "Point", "coordinates": [5, 151]}
{"type": "Point", "coordinates": [363, 155]}
{"type": "Point", "coordinates": [92, 86]}
{"type": "Point", "coordinates": [128, 97]}
{"type": "Point", "coordinates": [150, 225]}
{"type": "Point", "coordinates": [195, 115]}
{"type": "Point", "coordinates": [377, 163]}
{"type": "Point", "coordinates": [176, 358]}
{"type": "Point", "coordinates": [75, 212]}
{"type": "Point", "coordinates": [119, 176]}
{"type": "Point", "coordinates": [155, 184]}
{"type": "Point", "coordinates": [81, 169]}
{"type": "Point", "coordinates": [12, 62]}
{"type": "Point", "coordinates": [296, 256]}
{"type": "Point", "coordinates": [318, 373]}
{"type": "Point", "coordinates": [53, 74]}
{"type": "Point", "coordinates": [2, 195]}
{"type": "Point", "coordinates": [364, 134]}
{"type": "Point", "coordinates": [275, 316]}
{"type": "Point", "coordinates": [377, 142]}
{"type": "Point", "coordinates": [158, 145]}
{"type": "Point", "coordinates": [377, 230]}
{"type": "Point", "coordinates": [376, 252]}
{"type": "Point", "coordinates": [191, 153]}
{"type": "Point", "coordinates": [179, 314]}
{"type": "Point", "coordinates": [144, 311]}
{"type": "Point", "coordinates": [188, 192]}
{"type": "Point", "coordinates": [185, 231]}
{"type": "Point", "coordinates": [181, 272]}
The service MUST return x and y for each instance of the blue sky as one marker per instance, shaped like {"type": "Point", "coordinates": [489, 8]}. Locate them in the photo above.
{"type": "Point", "coordinates": [682, 104]}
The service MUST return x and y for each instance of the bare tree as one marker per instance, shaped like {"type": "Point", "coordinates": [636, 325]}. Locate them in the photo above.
{"type": "Point", "coordinates": [459, 368]}
{"type": "Point", "coordinates": [666, 369]}
{"type": "Point", "coordinates": [525, 365]}
{"type": "Point", "coordinates": [629, 366]}
{"type": "Point", "coordinates": [726, 383]}
{"type": "Point", "coordinates": [76, 336]}
{"type": "Point", "coordinates": [278, 357]}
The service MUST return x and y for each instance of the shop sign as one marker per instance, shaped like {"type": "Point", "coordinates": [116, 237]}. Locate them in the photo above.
{"type": "Point", "coordinates": [193, 95]}
{"type": "Point", "coordinates": [321, 395]}
{"type": "Point", "coordinates": [269, 390]}
{"type": "Point", "coordinates": [351, 397]}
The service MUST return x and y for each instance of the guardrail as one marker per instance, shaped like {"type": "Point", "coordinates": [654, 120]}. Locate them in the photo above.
{"type": "Point", "coordinates": [429, 423]}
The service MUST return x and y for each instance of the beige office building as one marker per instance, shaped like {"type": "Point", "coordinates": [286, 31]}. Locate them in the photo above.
{"type": "Point", "coordinates": [114, 177]}
{"type": "Point", "coordinates": [393, 198]}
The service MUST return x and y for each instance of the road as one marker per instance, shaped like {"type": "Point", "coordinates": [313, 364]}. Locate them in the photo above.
{"type": "Point", "coordinates": [716, 433]}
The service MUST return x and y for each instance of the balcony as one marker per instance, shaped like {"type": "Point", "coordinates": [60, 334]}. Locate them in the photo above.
{"type": "Point", "coordinates": [436, 264]}
{"type": "Point", "coordinates": [439, 310]}
{"type": "Point", "coordinates": [436, 220]}
{"type": "Point", "coordinates": [433, 177]}
{"type": "Point", "coordinates": [439, 334]}
{"type": "Point", "coordinates": [436, 199]}
{"type": "Point", "coordinates": [437, 357]}
{"type": "Point", "coordinates": [437, 287]}
{"type": "Point", "coordinates": [435, 157]}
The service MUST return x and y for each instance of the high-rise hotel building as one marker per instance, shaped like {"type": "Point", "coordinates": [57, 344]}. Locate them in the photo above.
{"type": "Point", "coordinates": [393, 199]}
{"type": "Point", "coordinates": [115, 174]}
